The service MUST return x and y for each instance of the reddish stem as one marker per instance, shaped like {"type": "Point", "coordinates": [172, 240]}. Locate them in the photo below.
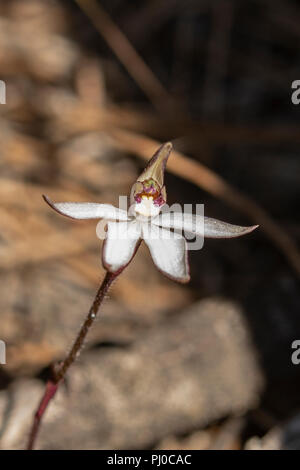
{"type": "Point", "coordinates": [53, 384]}
{"type": "Point", "coordinates": [50, 391]}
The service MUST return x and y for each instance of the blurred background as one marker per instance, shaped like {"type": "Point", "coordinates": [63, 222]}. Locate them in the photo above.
{"type": "Point", "coordinates": [92, 88]}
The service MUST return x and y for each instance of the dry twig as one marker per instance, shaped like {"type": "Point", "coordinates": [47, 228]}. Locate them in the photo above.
{"type": "Point", "coordinates": [128, 56]}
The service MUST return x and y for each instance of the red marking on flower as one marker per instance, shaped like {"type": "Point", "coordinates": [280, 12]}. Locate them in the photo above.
{"type": "Point", "coordinates": [159, 201]}
{"type": "Point", "coordinates": [150, 188]}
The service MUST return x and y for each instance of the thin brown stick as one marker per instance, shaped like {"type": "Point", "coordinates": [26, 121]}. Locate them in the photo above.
{"type": "Point", "coordinates": [58, 376]}
{"type": "Point", "coordinates": [128, 56]}
{"type": "Point", "coordinates": [208, 180]}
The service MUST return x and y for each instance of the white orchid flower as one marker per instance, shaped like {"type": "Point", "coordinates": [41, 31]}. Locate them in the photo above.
{"type": "Point", "coordinates": [144, 221]}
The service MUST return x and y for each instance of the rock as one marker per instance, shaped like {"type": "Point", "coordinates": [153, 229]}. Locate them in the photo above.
{"type": "Point", "coordinates": [17, 405]}
{"type": "Point", "coordinates": [199, 440]}
{"type": "Point", "coordinates": [284, 437]}
{"type": "Point", "coordinates": [195, 368]}
{"type": "Point", "coordinates": [270, 441]}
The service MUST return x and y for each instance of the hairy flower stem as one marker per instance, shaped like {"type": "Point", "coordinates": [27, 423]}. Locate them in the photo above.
{"type": "Point", "coordinates": [58, 375]}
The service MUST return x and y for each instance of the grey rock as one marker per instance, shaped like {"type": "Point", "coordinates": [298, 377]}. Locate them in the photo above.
{"type": "Point", "coordinates": [282, 437]}
{"type": "Point", "coordinates": [196, 367]}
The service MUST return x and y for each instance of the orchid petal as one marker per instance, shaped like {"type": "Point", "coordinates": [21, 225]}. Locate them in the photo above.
{"type": "Point", "coordinates": [120, 244]}
{"type": "Point", "coordinates": [214, 228]}
{"type": "Point", "coordinates": [197, 224]}
{"type": "Point", "coordinates": [87, 210]}
{"type": "Point", "coordinates": [180, 221]}
{"type": "Point", "coordinates": [156, 166]}
{"type": "Point", "coordinates": [168, 251]}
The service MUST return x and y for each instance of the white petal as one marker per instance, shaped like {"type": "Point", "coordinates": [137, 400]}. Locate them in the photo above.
{"type": "Point", "coordinates": [196, 224]}
{"type": "Point", "coordinates": [168, 251]}
{"type": "Point", "coordinates": [217, 229]}
{"type": "Point", "coordinates": [87, 210]}
{"type": "Point", "coordinates": [181, 221]}
{"type": "Point", "coordinates": [120, 244]}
